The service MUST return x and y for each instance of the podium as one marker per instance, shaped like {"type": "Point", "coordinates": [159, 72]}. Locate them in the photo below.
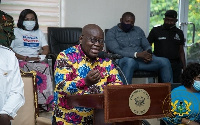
{"type": "Point", "coordinates": [127, 104]}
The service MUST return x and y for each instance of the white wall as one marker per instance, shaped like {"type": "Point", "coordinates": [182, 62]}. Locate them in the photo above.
{"type": "Point", "coordinates": [105, 13]}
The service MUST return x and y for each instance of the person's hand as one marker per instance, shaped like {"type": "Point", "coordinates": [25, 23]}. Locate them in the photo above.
{"type": "Point", "coordinates": [188, 122]}
{"type": "Point", "coordinates": [36, 59]}
{"type": "Point", "coordinates": [92, 77]}
{"type": "Point", "coordinates": [4, 119]}
{"type": "Point", "coordinates": [147, 57]}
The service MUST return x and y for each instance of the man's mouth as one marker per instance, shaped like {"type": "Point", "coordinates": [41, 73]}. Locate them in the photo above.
{"type": "Point", "coordinates": [95, 51]}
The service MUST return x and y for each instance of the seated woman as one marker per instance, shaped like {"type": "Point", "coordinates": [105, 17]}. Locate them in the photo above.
{"type": "Point", "coordinates": [28, 45]}
{"type": "Point", "coordinates": [186, 98]}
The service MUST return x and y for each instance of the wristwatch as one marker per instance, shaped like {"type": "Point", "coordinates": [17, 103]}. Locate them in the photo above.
{"type": "Point", "coordinates": [135, 54]}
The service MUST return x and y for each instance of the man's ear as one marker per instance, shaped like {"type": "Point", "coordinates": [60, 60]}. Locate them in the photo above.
{"type": "Point", "coordinates": [120, 20]}
{"type": "Point", "coordinates": [81, 39]}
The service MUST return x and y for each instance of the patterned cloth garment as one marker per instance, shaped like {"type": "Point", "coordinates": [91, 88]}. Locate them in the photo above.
{"type": "Point", "coordinates": [71, 67]}
{"type": "Point", "coordinates": [43, 80]}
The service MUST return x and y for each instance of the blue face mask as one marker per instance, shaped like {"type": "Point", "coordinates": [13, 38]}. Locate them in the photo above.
{"type": "Point", "coordinates": [196, 85]}
{"type": "Point", "coordinates": [126, 27]}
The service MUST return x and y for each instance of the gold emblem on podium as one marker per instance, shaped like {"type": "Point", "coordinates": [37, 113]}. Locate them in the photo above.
{"type": "Point", "coordinates": [139, 101]}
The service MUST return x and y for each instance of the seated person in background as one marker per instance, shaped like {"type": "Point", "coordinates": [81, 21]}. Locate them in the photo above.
{"type": "Point", "coordinates": [129, 41]}
{"type": "Point", "coordinates": [79, 71]}
{"type": "Point", "coordinates": [169, 42]}
{"type": "Point", "coordinates": [26, 45]}
{"type": "Point", "coordinates": [186, 98]}
{"type": "Point", "coordinates": [12, 86]}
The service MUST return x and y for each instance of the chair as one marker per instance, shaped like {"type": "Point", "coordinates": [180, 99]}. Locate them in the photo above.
{"type": "Point", "coordinates": [28, 114]}
{"type": "Point", "coordinates": [140, 73]}
{"type": "Point", "coordinates": [59, 39]}
{"type": "Point", "coordinates": [146, 74]}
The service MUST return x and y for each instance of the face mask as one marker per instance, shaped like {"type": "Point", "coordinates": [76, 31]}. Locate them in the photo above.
{"type": "Point", "coordinates": [196, 85]}
{"type": "Point", "coordinates": [29, 25]}
{"type": "Point", "coordinates": [168, 26]}
{"type": "Point", "coordinates": [126, 27]}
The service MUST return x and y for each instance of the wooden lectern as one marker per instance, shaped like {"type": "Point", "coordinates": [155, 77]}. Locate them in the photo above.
{"type": "Point", "coordinates": [124, 103]}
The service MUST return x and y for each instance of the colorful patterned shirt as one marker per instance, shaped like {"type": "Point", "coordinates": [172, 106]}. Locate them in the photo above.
{"type": "Point", "coordinates": [71, 67]}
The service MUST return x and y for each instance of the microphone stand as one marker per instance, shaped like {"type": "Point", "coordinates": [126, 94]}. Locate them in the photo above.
{"type": "Point", "coordinates": [120, 71]}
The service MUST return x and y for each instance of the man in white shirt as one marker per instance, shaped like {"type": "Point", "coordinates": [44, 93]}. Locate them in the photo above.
{"type": "Point", "coordinates": [11, 84]}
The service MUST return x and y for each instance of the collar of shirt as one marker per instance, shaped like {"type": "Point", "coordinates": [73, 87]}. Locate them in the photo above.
{"type": "Point", "coordinates": [82, 54]}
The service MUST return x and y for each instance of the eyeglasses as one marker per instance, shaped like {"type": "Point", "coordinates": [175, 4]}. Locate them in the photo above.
{"type": "Point", "coordinates": [94, 40]}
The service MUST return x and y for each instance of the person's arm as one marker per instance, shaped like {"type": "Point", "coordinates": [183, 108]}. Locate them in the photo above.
{"type": "Point", "coordinates": [26, 58]}
{"type": "Point", "coordinates": [44, 44]}
{"type": "Point", "coordinates": [21, 57]}
{"type": "Point", "coordinates": [5, 119]}
{"type": "Point", "coordinates": [66, 74]}
{"type": "Point", "coordinates": [151, 37]}
{"type": "Point", "coordinates": [45, 50]}
{"type": "Point", "coordinates": [189, 122]}
{"type": "Point", "coordinates": [144, 42]}
{"type": "Point", "coordinates": [182, 56]}
{"type": "Point", "coordinates": [15, 95]}
{"type": "Point", "coordinates": [146, 56]}
{"type": "Point", "coordinates": [75, 81]}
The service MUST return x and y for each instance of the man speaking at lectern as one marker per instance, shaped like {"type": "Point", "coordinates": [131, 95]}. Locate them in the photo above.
{"type": "Point", "coordinates": [79, 71]}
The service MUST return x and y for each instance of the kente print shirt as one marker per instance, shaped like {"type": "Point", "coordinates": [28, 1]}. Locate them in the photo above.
{"type": "Point", "coordinates": [71, 67]}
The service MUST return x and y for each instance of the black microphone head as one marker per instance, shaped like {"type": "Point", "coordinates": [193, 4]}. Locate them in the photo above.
{"type": "Point", "coordinates": [104, 55]}
{"type": "Point", "coordinates": [117, 56]}
{"type": "Point", "coordinates": [101, 54]}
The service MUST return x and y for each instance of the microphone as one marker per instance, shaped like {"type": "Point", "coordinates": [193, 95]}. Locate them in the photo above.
{"type": "Point", "coordinates": [149, 51]}
{"type": "Point", "coordinates": [104, 55]}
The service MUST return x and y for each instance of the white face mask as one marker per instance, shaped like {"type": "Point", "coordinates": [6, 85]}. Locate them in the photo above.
{"type": "Point", "coordinates": [196, 85]}
{"type": "Point", "coordinates": [29, 25]}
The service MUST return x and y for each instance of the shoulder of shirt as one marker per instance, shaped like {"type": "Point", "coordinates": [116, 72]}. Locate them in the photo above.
{"type": "Point", "coordinates": [6, 48]}
{"type": "Point", "coordinates": [70, 50]}
{"type": "Point", "coordinates": [181, 87]}
{"type": "Point", "coordinates": [4, 13]}
{"type": "Point", "coordinates": [157, 26]}
{"type": "Point", "coordinates": [39, 30]}
{"type": "Point", "coordinates": [177, 29]}
{"type": "Point", "coordinates": [113, 29]}
{"type": "Point", "coordinates": [16, 29]}
{"type": "Point", "coordinates": [137, 28]}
